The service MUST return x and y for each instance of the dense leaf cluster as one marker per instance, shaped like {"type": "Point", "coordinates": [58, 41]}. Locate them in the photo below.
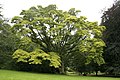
{"type": "Point", "coordinates": [111, 19]}
{"type": "Point", "coordinates": [36, 57]}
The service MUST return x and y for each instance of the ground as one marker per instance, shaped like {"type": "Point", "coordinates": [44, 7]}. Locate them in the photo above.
{"type": "Point", "coordinates": [18, 75]}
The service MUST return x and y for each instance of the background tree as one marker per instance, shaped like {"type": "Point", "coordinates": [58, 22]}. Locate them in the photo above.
{"type": "Point", "coordinates": [7, 44]}
{"type": "Point", "coordinates": [89, 58]}
{"type": "Point", "coordinates": [61, 32]}
{"type": "Point", "coordinates": [111, 19]}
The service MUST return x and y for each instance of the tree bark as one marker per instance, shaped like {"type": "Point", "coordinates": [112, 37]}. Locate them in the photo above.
{"type": "Point", "coordinates": [62, 70]}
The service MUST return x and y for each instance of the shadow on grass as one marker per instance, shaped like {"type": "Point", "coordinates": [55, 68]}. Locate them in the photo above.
{"type": "Point", "coordinates": [113, 76]}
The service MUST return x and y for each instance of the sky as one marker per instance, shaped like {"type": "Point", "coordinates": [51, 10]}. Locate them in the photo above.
{"type": "Point", "coordinates": [92, 9]}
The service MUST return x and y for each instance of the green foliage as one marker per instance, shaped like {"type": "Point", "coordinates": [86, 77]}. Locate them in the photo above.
{"type": "Point", "coordinates": [94, 49]}
{"type": "Point", "coordinates": [61, 32]}
{"type": "Point", "coordinates": [8, 43]}
{"type": "Point", "coordinates": [21, 55]}
{"type": "Point", "coordinates": [27, 44]}
{"type": "Point", "coordinates": [54, 59]}
{"type": "Point", "coordinates": [111, 19]}
{"type": "Point", "coordinates": [37, 57]}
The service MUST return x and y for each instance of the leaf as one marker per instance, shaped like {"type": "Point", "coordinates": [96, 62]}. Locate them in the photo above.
{"type": "Point", "coordinates": [21, 55]}
{"type": "Point", "coordinates": [54, 60]}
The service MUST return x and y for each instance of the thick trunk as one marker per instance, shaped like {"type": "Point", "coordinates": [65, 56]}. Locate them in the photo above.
{"type": "Point", "coordinates": [62, 70]}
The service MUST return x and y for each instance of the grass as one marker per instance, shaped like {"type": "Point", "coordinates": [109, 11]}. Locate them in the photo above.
{"type": "Point", "coordinates": [17, 75]}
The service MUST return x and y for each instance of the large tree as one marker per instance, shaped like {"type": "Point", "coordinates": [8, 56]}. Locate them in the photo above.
{"type": "Point", "coordinates": [62, 32]}
{"type": "Point", "coordinates": [111, 19]}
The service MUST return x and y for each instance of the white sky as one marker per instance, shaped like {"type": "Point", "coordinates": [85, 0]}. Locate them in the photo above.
{"type": "Point", "coordinates": [89, 8]}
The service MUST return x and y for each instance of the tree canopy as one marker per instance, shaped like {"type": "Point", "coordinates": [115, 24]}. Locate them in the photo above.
{"type": "Point", "coordinates": [8, 42]}
{"type": "Point", "coordinates": [111, 19]}
{"type": "Point", "coordinates": [63, 33]}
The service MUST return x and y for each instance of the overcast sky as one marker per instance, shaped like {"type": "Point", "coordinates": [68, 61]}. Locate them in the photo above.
{"type": "Point", "coordinates": [89, 8]}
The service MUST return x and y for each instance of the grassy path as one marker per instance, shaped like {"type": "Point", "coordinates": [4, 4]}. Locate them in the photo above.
{"type": "Point", "coordinates": [16, 75]}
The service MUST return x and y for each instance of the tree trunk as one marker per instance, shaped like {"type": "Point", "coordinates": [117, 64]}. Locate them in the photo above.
{"type": "Point", "coordinates": [62, 71]}
{"type": "Point", "coordinates": [96, 73]}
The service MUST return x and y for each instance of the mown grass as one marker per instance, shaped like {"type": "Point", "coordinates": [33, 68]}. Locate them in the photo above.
{"type": "Point", "coordinates": [17, 75]}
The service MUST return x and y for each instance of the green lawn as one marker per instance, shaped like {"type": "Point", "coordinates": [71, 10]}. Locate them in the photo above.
{"type": "Point", "coordinates": [16, 75]}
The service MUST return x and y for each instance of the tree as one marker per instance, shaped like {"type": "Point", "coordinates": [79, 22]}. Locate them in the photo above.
{"type": "Point", "coordinates": [7, 43]}
{"type": "Point", "coordinates": [90, 56]}
{"type": "Point", "coordinates": [62, 32]}
{"type": "Point", "coordinates": [111, 19]}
